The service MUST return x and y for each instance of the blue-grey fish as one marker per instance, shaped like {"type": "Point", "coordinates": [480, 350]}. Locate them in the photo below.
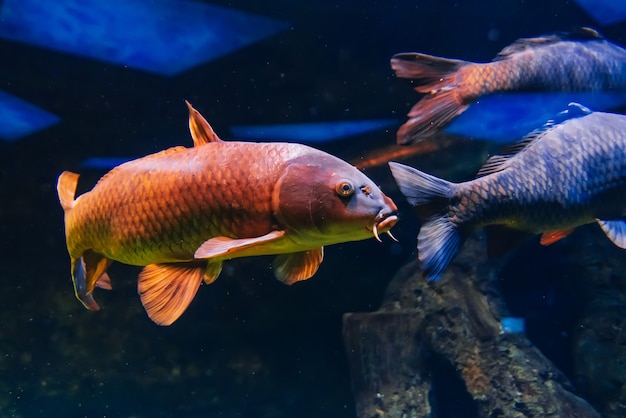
{"type": "Point", "coordinates": [569, 173]}
{"type": "Point", "coordinates": [581, 61]}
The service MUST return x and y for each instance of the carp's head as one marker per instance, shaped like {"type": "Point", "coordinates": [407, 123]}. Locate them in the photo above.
{"type": "Point", "coordinates": [323, 200]}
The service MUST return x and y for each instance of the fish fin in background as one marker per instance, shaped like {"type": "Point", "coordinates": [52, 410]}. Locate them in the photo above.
{"type": "Point", "coordinates": [166, 290]}
{"type": "Point", "coordinates": [212, 271]}
{"type": "Point", "coordinates": [501, 239]}
{"type": "Point", "coordinates": [66, 189]}
{"type": "Point", "coordinates": [295, 267]}
{"type": "Point", "coordinates": [523, 44]}
{"type": "Point", "coordinates": [424, 70]}
{"type": "Point", "coordinates": [201, 131]}
{"type": "Point", "coordinates": [550, 237]}
{"type": "Point", "coordinates": [498, 162]}
{"type": "Point", "coordinates": [584, 33]}
{"type": "Point", "coordinates": [615, 231]}
{"type": "Point", "coordinates": [104, 282]}
{"type": "Point", "coordinates": [224, 246]}
{"type": "Point", "coordinates": [87, 272]}
{"type": "Point", "coordinates": [439, 240]}
{"type": "Point", "coordinates": [574, 110]}
{"type": "Point", "coordinates": [79, 279]}
{"type": "Point", "coordinates": [436, 77]}
{"type": "Point", "coordinates": [95, 267]}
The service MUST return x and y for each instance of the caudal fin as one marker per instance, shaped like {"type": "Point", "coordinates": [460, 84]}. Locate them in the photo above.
{"type": "Point", "coordinates": [439, 239]}
{"type": "Point", "coordinates": [438, 79]}
{"type": "Point", "coordinates": [66, 189]}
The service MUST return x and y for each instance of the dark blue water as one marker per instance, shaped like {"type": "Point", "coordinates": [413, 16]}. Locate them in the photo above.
{"type": "Point", "coordinates": [248, 346]}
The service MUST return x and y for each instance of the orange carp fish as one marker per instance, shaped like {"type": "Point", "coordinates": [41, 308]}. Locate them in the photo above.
{"type": "Point", "coordinates": [183, 211]}
{"type": "Point", "coordinates": [581, 61]}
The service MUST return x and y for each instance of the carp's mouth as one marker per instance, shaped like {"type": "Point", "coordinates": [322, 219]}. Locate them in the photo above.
{"type": "Point", "coordinates": [383, 223]}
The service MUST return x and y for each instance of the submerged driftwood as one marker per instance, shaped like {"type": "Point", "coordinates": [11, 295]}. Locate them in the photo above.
{"type": "Point", "coordinates": [439, 351]}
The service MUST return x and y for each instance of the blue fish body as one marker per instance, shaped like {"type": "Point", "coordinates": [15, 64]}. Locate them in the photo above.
{"type": "Point", "coordinates": [569, 173]}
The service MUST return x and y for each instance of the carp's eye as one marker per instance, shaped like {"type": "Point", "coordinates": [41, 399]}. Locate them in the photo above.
{"type": "Point", "coordinates": [344, 188]}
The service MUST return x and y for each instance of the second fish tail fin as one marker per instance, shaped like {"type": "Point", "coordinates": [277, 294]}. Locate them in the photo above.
{"type": "Point", "coordinates": [438, 79]}
{"type": "Point", "coordinates": [439, 239]}
{"type": "Point", "coordinates": [438, 242]}
{"type": "Point", "coordinates": [66, 189]}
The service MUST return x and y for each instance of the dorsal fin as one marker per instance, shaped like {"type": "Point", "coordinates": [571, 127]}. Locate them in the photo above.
{"type": "Point", "coordinates": [579, 34]}
{"type": "Point", "coordinates": [584, 33]}
{"type": "Point", "coordinates": [201, 131]}
{"type": "Point", "coordinates": [497, 162]}
{"type": "Point", "coordinates": [66, 189]}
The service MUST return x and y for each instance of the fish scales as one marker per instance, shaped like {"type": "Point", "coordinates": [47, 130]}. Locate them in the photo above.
{"type": "Point", "coordinates": [594, 65]}
{"type": "Point", "coordinates": [181, 212]}
{"type": "Point", "coordinates": [149, 206]}
{"type": "Point", "coordinates": [582, 61]}
{"type": "Point", "coordinates": [568, 174]}
{"type": "Point", "coordinates": [561, 181]}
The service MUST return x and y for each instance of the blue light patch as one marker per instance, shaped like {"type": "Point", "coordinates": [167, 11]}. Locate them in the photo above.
{"type": "Point", "coordinates": [511, 325]}
{"type": "Point", "coordinates": [605, 12]}
{"type": "Point", "coordinates": [20, 118]}
{"type": "Point", "coordinates": [311, 132]}
{"type": "Point", "coordinates": [160, 36]}
{"type": "Point", "coordinates": [506, 118]}
{"type": "Point", "coordinates": [104, 163]}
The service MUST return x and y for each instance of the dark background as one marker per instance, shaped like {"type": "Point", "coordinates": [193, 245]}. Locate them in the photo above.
{"type": "Point", "coordinates": [248, 346]}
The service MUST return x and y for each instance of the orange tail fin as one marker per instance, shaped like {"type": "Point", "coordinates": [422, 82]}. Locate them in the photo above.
{"type": "Point", "coordinates": [66, 189]}
{"type": "Point", "coordinates": [438, 78]}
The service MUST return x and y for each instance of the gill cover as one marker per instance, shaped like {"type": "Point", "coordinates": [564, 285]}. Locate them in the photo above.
{"type": "Point", "coordinates": [328, 199]}
{"type": "Point", "coordinates": [302, 198]}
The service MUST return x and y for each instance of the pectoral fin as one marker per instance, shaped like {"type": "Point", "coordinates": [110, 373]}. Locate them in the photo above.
{"type": "Point", "coordinates": [615, 230]}
{"type": "Point", "coordinates": [295, 267]}
{"type": "Point", "coordinates": [230, 247]}
{"type": "Point", "coordinates": [550, 237]}
{"type": "Point", "coordinates": [166, 290]}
